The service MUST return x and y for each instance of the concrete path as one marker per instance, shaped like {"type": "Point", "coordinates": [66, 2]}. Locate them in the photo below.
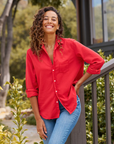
{"type": "Point", "coordinates": [31, 133]}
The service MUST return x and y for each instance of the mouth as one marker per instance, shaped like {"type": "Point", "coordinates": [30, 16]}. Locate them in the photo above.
{"type": "Point", "coordinates": [49, 26]}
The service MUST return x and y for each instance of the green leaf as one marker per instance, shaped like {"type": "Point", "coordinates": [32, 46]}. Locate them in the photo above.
{"type": "Point", "coordinates": [1, 88]}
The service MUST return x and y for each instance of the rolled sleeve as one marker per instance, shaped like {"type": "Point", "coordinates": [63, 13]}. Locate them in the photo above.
{"type": "Point", "coordinates": [95, 67]}
{"type": "Point", "coordinates": [31, 80]}
{"type": "Point", "coordinates": [31, 92]}
{"type": "Point", "coordinates": [87, 55]}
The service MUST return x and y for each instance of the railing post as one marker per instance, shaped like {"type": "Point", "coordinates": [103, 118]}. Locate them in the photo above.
{"type": "Point", "coordinates": [94, 109]}
{"type": "Point", "coordinates": [78, 135]}
{"type": "Point", "coordinates": [68, 140]}
{"type": "Point", "coordinates": [107, 104]}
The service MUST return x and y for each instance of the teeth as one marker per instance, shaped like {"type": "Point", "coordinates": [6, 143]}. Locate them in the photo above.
{"type": "Point", "coordinates": [49, 26]}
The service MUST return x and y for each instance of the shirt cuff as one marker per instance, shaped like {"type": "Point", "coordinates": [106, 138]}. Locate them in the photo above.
{"type": "Point", "coordinates": [93, 71]}
{"type": "Point", "coordinates": [31, 92]}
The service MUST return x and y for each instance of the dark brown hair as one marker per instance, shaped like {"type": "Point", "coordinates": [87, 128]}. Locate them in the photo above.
{"type": "Point", "coordinates": [36, 31]}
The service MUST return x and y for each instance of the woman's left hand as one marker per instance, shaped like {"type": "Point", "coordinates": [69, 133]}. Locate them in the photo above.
{"type": "Point", "coordinates": [80, 81]}
{"type": "Point", "coordinates": [77, 87]}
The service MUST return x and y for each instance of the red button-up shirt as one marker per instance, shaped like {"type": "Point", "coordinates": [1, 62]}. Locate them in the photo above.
{"type": "Point", "coordinates": [54, 82]}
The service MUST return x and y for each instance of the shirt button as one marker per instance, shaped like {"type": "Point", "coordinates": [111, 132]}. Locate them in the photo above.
{"type": "Point", "coordinates": [54, 80]}
{"type": "Point", "coordinates": [53, 70]}
{"type": "Point", "coordinates": [56, 91]}
{"type": "Point", "coordinates": [56, 101]}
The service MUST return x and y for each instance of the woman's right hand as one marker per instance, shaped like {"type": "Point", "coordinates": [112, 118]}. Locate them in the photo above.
{"type": "Point", "coordinates": [41, 128]}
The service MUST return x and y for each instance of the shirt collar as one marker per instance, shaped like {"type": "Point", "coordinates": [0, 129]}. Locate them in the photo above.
{"type": "Point", "coordinates": [57, 43]}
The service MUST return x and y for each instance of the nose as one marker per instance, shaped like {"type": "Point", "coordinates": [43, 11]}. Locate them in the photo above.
{"type": "Point", "coordinates": [49, 20]}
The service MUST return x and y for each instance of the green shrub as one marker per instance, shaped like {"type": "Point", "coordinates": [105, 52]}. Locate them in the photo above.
{"type": "Point", "coordinates": [16, 103]}
{"type": "Point", "coordinates": [31, 120]}
{"type": "Point", "coordinates": [100, 106]}
{"type": "Point", "coordinates": [25, 101]}
{"type": "Point", "coordinates": [5, 136]}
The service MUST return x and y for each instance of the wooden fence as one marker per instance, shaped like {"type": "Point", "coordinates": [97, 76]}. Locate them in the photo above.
{"type": "Point", "coordinates": [78, 135]}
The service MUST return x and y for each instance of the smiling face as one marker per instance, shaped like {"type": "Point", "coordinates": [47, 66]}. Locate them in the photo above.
{"type": "Point", "coordinates": [50, 22]}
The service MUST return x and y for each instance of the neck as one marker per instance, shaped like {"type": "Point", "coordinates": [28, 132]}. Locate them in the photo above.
{"type": "Point", "coordinates": [49, 40]}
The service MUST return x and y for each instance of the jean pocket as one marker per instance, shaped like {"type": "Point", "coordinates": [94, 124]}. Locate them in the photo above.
{"type": "Point", "coordinates": [78, 100]}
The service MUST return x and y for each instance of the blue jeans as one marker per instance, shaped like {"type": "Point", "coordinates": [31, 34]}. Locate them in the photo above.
{"type": "Point", "coordinates": [59, 129]}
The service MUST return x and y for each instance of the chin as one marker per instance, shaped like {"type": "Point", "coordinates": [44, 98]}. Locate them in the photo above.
{"type": "Point", "coordinates": [50, 32]}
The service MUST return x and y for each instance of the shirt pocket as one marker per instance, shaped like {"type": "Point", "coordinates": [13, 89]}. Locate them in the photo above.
{"type": "Point", "coordinates": [64, 66]}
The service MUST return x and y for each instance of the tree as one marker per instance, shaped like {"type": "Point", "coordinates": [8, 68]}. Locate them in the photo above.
{"type": "Point", "coordinates": [68, 13]}
{"type": "Point", "coordinates": [42, 3]}
{"type": "Point", "coordinates": [6, 24]}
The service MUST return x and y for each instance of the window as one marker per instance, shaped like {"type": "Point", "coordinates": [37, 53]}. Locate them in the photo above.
{"type": "Point", "coordinates": [102, 21]}
{"type": "Point", "coordinates": [108, 6]}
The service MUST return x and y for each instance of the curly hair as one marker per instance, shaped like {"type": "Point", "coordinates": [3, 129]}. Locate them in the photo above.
{"type": "Point", "coordinates": [37, 33]}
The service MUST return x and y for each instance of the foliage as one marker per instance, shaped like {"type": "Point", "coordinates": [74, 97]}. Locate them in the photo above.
{"type": "Point", "coordinates": [68, 14]}
{"type": "Point", "coordinates": [2, 5]}
{"type": "Point", "coordinates": [6, 135]}
{"type": "Point", "coordinates": [100, 107]}
{"type": "Point", "coordinates": [31, 120]}
{"type": "Point", "coordinates": [15, 92]}
{"type": "Point", "coordinates": [21, 41]}
{"type": "Point", "coordinates": [43, 3]}
{"type": "Point", "coordinates": [1, 88]}
{"type": "Point", "coordinates": [25, 102]}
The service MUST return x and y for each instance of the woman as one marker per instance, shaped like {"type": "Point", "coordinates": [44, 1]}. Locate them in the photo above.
{"type": "Point", "coordinates": [54, 74]}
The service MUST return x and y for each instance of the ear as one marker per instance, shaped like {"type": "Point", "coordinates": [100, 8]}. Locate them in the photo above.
{"type": "Point", "coordinates": [58, 27]}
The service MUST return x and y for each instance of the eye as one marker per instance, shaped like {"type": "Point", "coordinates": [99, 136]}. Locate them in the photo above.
{"type": "Point", "coordinates": [45, 18]}
{"type": "Point", "coordinates": [53, 19]}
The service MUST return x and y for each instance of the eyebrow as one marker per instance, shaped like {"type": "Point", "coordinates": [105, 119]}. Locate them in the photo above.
{"type": "Point", "coordinates": [52, 16]}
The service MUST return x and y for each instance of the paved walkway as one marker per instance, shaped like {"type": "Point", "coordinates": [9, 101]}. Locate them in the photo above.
{"type": "Point", "coordinates": [31, 133]}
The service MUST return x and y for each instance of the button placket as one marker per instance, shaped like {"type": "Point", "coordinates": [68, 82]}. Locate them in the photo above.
{"type": "Point", "coordinates": [54, 83]}
{"type": "Point", "coordinates": [54, 79]}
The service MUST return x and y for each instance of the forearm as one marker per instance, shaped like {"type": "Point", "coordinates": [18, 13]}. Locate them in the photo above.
{"type": "Point", "coordinates": [83, 78]}
{"type": "Point", "coordinates": [41, 128]}
{"type": "Point", "coordinates": [34, 103]}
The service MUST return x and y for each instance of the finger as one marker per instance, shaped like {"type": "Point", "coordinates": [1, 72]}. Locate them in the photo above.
{"type": "Point", "coordinates": [39, 132]}
{"type": "Point", "coordinates": [43, 137]}
{"type": "Point", "coordinates": [77, 92]}
{"type": "Point", "coordinates": [43, 134]}
{"type": "Point", "coordinates": [44, 128]}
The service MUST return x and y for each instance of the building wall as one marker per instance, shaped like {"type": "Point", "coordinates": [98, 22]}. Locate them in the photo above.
{"type": "Point", "coordinates": [93, 26]}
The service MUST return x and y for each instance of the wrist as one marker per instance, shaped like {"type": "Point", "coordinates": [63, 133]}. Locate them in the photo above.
{"type": "Point", "coordinates": [78, 84]}
{"type": "Point", "coordinates": [38, 118]}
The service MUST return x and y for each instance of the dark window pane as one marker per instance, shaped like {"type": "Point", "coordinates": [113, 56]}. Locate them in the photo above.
{"type": "Point", "coordinates": [108, 20]}
{"type": "Point", "coordinates": [97, 32]}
